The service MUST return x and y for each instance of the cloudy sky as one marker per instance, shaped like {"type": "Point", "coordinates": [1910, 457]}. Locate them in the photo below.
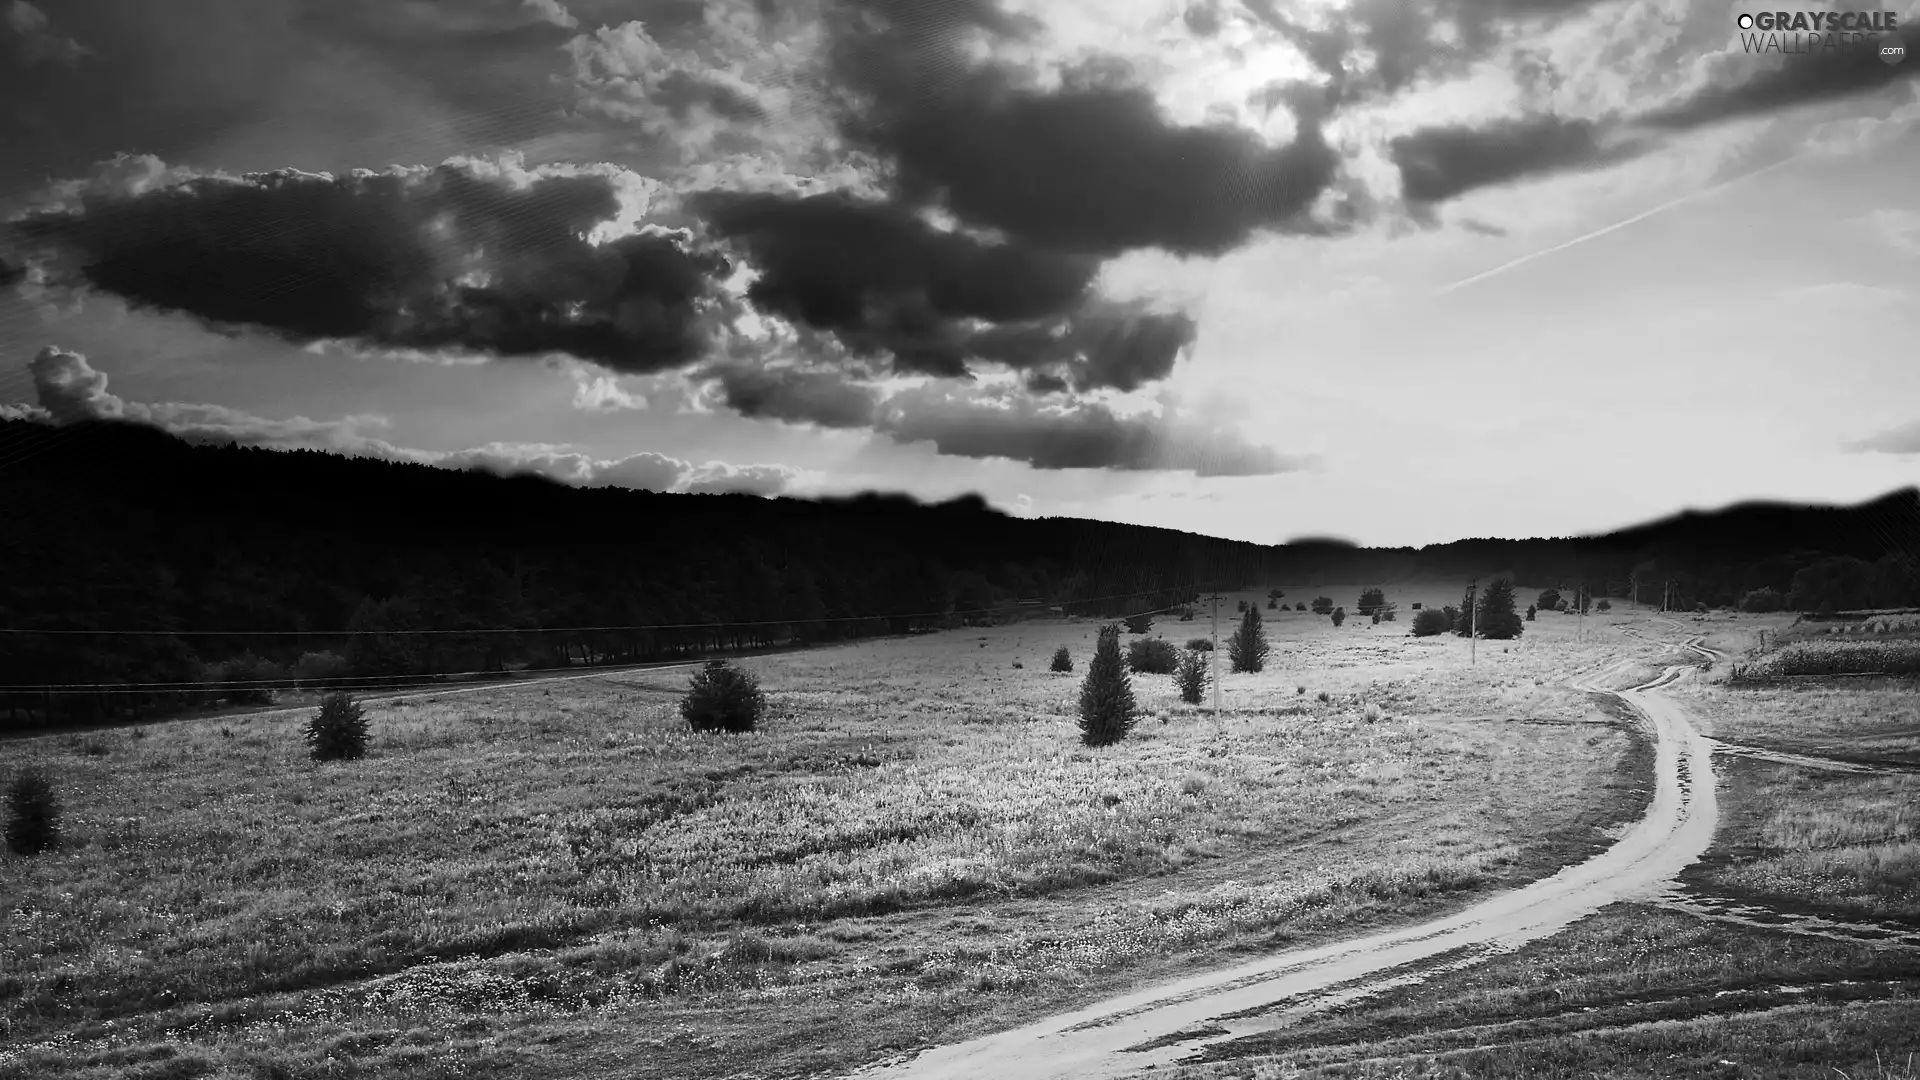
{"type": "Point", "coordinates": [1396, 270]}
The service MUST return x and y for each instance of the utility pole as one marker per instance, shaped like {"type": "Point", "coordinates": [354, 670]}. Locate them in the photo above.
{"type": "Point", "coordinates": [1473, 619]}
{"type": "Point", "coordinates": [1216, 654]}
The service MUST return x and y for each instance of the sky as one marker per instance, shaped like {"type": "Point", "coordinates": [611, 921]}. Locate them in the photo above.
{"type": "Point", "coordinates": [1396, 271]}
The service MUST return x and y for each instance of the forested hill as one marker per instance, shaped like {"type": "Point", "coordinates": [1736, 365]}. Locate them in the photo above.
{"type": "Point", "coordinates": [299, 561]}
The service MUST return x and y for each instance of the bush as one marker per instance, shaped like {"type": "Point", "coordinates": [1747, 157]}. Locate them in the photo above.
{"type": "Point", "coordinates": [1604, 606]}
{"type": "Point", "coordinates": [1376, 618]}
{"type": "Point", "coordinates": [33, 813]}
{"type": "Point", "coordinates": [1549, 600]}
{"type": "Point", "coordinates": [1062, 659]}
{"type": "Point", "coordinates": [1431, 622]}
{"type": "Point", "coordinates": [338, 729]}
{"type": "Point", "coordinates": [1204, 644]}
{"type": "Point", "coordinates": [1275, 594]}
{"type": "Point", "coordinates": [316, 669]}
{"type": "Point", "coordinates": [1272, 605]}
{"type": "Point", "coordinates": [245, 673]}
{"type": "Point", "coordinates": [1453, 617]}
{"type": "Point", "coordinates": [1323, 605]}
{"type": "Point", "coordinates": [1152, 656]}
{"type": "Point", "coordinates": [1248, 647]}
{"type": "Point", "coordinates": [1386, 614]}
{"type": "Point", "coordinates": [1107, 709]}
{"type": "Point", "coordinates": [1242, 608]}
{"type": "Point", "coordinates": [1300, 606]}
{"type": "Point", "coordinates": [1530, 615]}
{"type": "Point", "coordinates": [1139, 624]}
{"type": "Point", "coordinates": [1700, 607]}
{"type": "Point", "coordinates": [1191, 676]}
{"type": "Point", "coordinates": [1561, 607]}
{"type": "Point", "coordinates": [1763, 601]}
{"type": "Point", "coordinates": [1371, 600]}
{"type": "Point", "coordinates": [1339, 615]}
{"type": "Point", "coordinates": [723, 698]}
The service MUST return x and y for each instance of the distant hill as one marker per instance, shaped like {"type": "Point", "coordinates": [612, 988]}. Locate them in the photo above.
{"type": "Point", "coordinates": [267, 561]}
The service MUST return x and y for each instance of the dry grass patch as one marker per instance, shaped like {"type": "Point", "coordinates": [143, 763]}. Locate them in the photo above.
{"type": "Point", "coordinates": [914, 845]}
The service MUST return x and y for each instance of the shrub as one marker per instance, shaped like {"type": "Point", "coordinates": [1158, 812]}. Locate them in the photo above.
{"type": "Point", "coordinates": [1549, 599]}
{"type": "Point", "coordinates": [1371, 600]}
{"type": "Point", "coordinates": [1242, 607]}
{"type": "Point", "coordinates": [1272, 605]}
{"type": "Point", "coordinates": [1152, 656]}
{"type": "Point", "coordinates": [1339, 615]}
{"type": "Point", "coordinates": [1186, 616]}
{"type": "Point", "coordinates": [1018, 664]}
{"type": "Point", "coordinates": [1139, 624]}
{"type": "Point", "coordinates": [1700, 607]}
{"type": "Point", "coordinates": [1248, 647]}
{"type": "Point", "coordinates": [33, 813]}
{"type": "Point", "coordinates": [1300, 606]}
{"type": "Point", "coordinates": [245, 673]}
{"type": "Point", "coordinates": [1453, 616]}
{"type": "Point", "coordinates": [1062, 659]}
{"type": "Point", "coordinates": [723, 698]}
{"type": "Point", "coordinates": [319, 668]}
{"type": "Point", "coordinates": [1275, 594]}
{"type": "Point", "coordinates": [1763, 601]}
{"type": "Point", "coordinates": [338, 729]}
{"type": "Point", "coordinates": [1530, 611]}
{"type": "Point", "coordinates": [1431, 622]}
{"type": "Point", "coordinates": [1604, 606]}
{"type": "Point", "coordinates": [1204, 644]}
{"type": "Point", "coordinates": [1386, 613]}
{"type": "Point", "coordinates": [1561, 607]}
{"type": "Point", "coordinates": [1373, 713]}
{"type": "Point", "coordinates": [1376, 618]}
{"type": "Point", "coordinates": [1323, 605]}
{"type": "Point", "coordinates": [1191, 676]}
{"type": "Point", "coordinates": [1107, 709]}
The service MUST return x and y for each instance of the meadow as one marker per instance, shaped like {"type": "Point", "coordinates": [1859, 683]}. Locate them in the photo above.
{"type": "Point", "coordinates": [914, 847]}
{"type": "Point", "coordinates": [1653, 990]}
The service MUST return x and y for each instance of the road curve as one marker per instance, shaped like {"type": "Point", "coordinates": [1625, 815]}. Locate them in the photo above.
{"type": "Point", "coordinates": [1106, 1039]}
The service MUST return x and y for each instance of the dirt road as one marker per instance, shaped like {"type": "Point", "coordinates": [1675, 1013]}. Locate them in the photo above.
{"type": "Point", "coordinates": [1161, 1025]}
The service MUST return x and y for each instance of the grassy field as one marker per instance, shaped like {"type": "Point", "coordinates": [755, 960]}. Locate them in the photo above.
{"type": "Point", "coordinates": [913, 848]}
{"type": "Point", "coordinates": [1805, 838]}
{"type": "Point", "coordinates": [1636, 991]}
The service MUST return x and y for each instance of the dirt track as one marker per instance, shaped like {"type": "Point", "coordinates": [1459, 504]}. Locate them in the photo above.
{"type": "Point", "coordinates": [1161, 1025]}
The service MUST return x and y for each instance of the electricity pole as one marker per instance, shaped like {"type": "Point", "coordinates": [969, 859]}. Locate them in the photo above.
{"type": "Point", "coordinates": [1473, 619]}
{"type": "Point", "coordinates": [1216, 653]}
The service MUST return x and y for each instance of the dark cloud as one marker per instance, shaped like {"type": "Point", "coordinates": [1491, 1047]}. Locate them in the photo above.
{"type": "Point", "coordinates": [825, 398]}
{"type": "Point", "coordinates": [1802, 79]}
{"type": "Point", "coordinates": [1372, 48]}
{"type": "Point", "coordinates": [885, 282]}
{"type": "Point", "coordinates": [1085, 436]}
{"type": "Point", "coordinates": [450, 257]}
{"type": "Point", "coordinates": [262, 84]}
{"type": "Point", "coordinates": [1203, 18]}
{"type": "Point", "coordinates": [1094, 167]}
{"type": "Point", "coordinates": [1439, 163]}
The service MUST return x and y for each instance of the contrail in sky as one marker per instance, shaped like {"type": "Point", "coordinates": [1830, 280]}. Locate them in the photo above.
{"type": "Point", "coordinates": [1641, 216]}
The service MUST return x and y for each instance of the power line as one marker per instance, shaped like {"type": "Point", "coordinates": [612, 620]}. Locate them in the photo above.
{"type": "Point", "coordinates": [380, 681]}
{"type": "Point", "coordinates": [803, 620]}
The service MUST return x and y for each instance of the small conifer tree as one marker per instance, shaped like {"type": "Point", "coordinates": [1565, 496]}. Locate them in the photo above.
{"type": "Point", "coordinates": [33, 813]}
{"type": "Point", "coordinates": [1107, 709]}
{"type": "Point", "coordinates": [1062, 659]}
{"type": "Point", "coordinates": [723, 698]}
{"type": "Point", "coordinates": [1248, 648]}
{"type": "Point", "coordinates": [338, 729]}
